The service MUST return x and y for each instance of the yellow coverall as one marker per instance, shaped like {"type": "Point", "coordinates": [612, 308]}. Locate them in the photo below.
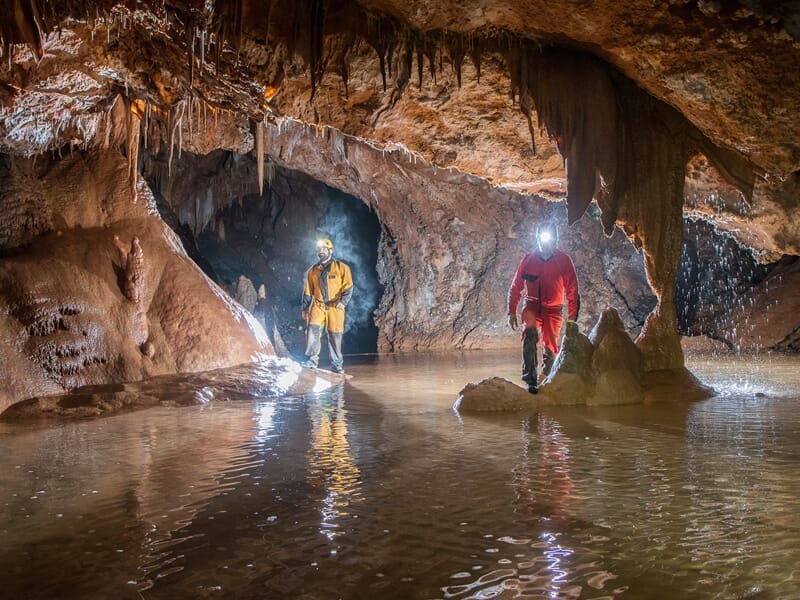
{"type": "Point", "coordinates": [328, 290]}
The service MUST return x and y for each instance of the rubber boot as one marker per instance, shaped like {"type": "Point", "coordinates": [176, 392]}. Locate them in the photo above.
{"type": "Point", "coordinates": [530, 339]}
{"type": "Point", "coordinates": [547, 361]}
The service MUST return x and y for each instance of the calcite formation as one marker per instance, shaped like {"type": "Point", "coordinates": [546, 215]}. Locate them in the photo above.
{"type": "Point", "coordinates": [73, 314]}
{"type": "Point", "coordinates": [603, 368]}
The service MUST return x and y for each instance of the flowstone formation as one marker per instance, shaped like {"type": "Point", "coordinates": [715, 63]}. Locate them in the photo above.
{"type": "Point", "coordinates": [603, 368]}
{"type": "Point", "coordinates": [78, 306]}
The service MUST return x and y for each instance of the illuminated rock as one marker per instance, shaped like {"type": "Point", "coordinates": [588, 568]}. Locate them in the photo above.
{"type": "Point", "coordinates": [616, 363]}
{"type": "Point", "coordinates": [572, 380]}
{"type": "Point", "coordinates": [493, 394]}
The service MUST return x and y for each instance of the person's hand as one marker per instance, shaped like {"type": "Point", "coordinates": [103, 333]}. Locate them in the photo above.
{"type": "Point", "coordinates": [340, 306]}
{"type": "Point", "coordinates": [512, 321]}
{"type": "Point", "coordinates": [305, 315]}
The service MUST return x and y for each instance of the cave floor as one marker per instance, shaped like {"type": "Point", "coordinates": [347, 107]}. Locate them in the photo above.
{"type": "Point", "coordinates": [377, 489]}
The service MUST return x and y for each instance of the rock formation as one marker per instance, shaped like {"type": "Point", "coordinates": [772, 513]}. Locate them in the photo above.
{"type": "Point", "coordinates": [72, 314]}
{"type": "Point", "coordinates": [605, 368]}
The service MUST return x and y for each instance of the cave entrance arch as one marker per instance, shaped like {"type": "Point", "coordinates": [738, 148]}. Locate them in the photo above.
{"type": "Point", "coordinates": [269, 239]}
{"type": "Point", "coordinates": [356, 231]}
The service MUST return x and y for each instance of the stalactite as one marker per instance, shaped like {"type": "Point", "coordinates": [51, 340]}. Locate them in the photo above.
{"type": "Point", "coordinates": [317, 42]}
{"type": "Point", "coordinates": [239, 21]}
{"type": "Point", "coordinates": [420, 64]}
{"type": "Point", "coordinates": [191, 118]}
{"type": "Point", "coordinates": [107, 121]}
{"type": "Point", "coordinates": [133, 128]}
{"type": "Point", "coordinates": [175, 118]}
{"type": "Point", "coordinates": [475, 55]}
{"type": "Point", "coordinates": [527, 110]}
{"type": "Point", "coordinates": [269, 170]}
{"type": "Point", "coordinates": [455, 48]}
{"type": "Point", "coordinates": [260, 155]}
{"type": "Point", "coordinates": [26, 26]}
{"type": "Point", "coordinates": [146, 124]}
{"type": "Point", "coordinates": [190, 32]}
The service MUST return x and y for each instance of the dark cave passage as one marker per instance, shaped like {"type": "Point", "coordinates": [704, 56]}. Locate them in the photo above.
{"type": "Point", "coordinates": [249, 240]}
{"type": "Point", "coordinates": [356, 231]}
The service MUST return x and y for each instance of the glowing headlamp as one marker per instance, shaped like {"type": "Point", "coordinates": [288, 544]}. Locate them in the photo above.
{"type": "Point", "coordinates": [545, 236]}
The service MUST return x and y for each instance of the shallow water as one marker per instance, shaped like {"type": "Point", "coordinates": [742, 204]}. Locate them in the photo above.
{"type": "Point", "coordinates": [377, 489]}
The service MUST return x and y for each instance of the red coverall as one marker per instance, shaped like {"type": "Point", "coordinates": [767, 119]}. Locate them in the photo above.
{"type": "Point", "coordinates": [545, 283]}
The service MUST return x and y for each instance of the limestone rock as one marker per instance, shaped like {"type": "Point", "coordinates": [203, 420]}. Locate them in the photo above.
{"type": "Point", "coordinates": [273, 377]}
{"type": "Point", "coordinates": [616, 362]}
{"type": "Point", "coordinates": [246, 293]}
{"type": "Point", "coordinates": [493, 394]}
{"type": "Point", "coordinates": [674, 385]}
{"type": "Point", "coordinates": [65, 320]}
{"type": "Point", "coordinates": [572, 379]}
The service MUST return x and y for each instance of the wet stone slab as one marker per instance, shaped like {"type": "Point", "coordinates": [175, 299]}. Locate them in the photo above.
{"type": "Point", "coordinates": [271, 378]}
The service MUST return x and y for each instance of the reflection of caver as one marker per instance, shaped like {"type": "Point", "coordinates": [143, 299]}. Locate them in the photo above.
{"type": "Point", "coordinates": [545, 275]}
{"type": "Point", "coordinates": [328, 289]}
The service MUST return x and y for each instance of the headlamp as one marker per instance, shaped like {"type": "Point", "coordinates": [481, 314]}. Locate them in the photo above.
{"type": "Point", "coordinates": [545, 236]}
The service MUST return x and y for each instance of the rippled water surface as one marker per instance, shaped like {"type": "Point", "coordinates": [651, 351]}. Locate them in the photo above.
{"type": "Point", "coordinates": [377, 489]}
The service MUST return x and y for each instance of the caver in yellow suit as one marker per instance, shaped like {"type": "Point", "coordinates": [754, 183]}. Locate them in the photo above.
{"type": "Point", "coordinates": [328, 290]}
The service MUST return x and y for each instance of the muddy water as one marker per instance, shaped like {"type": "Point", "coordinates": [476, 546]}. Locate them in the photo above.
{"type": "Point", "coordinates": [377, 489]}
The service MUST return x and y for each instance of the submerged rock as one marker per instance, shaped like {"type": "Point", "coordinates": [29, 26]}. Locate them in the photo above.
{"type": "Point", "coordinates": [270, 378]}
{"type": "Point", "coordinates": [493, 394]}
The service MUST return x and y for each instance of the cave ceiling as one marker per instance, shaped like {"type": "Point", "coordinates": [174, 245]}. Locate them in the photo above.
{"type": "Point", "coordinates": [446, 80]}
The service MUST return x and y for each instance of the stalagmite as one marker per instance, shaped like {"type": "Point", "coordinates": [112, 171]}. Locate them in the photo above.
{"type": "Point", "coordinates": [134, 272]}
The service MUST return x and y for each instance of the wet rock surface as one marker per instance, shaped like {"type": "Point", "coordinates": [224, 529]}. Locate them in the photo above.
{"type": "Point", "coordinates": [74, 313]}
{"type": "Point", "coordinates": [270, 378]}
{"type": "Point", "coordinates": [603, 368]}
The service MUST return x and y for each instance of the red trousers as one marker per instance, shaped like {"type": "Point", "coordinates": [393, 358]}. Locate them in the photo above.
{"type": "Point", "coordinates": [547, 320]}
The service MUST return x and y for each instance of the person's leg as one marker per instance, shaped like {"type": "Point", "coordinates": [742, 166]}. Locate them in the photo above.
{"type": "Point", "coordinates": [530, 341]}
{"type": "Point", "coordinates": [551, 328]}
{"type": "Point", "coordinates": [313, 345]}
{"type": "Point", "coordinates": [316, 321]}
{"type": "Point", "coordinates": [335, 334]}
{"type": "Point", "coordinates": [335, 349]}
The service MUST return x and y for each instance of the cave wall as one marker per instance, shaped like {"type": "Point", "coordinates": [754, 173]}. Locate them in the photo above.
{"type": "Point", "coordinates": [449, 242]}
{"type": "Point", "coordinates": [68, 316]}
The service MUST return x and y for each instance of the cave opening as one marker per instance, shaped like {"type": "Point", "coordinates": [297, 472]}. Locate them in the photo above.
{"type": "Point", "coordinates": [260, 245]}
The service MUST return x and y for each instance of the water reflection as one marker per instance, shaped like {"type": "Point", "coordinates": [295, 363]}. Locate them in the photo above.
{"type": "Point", "coordinates": [547, 554]}
{"type": "Point", "coordinates": [330, 462]}
{"type": "Point", "coordinates": [375, 489]}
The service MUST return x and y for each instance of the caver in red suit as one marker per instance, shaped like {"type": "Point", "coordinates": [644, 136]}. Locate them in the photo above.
{"type": "Point", "coordinates": [544, 277]}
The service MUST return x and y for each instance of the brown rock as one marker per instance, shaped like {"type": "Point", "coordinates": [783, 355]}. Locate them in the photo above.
{"type": "Point", "coordinates": [616, 362]}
